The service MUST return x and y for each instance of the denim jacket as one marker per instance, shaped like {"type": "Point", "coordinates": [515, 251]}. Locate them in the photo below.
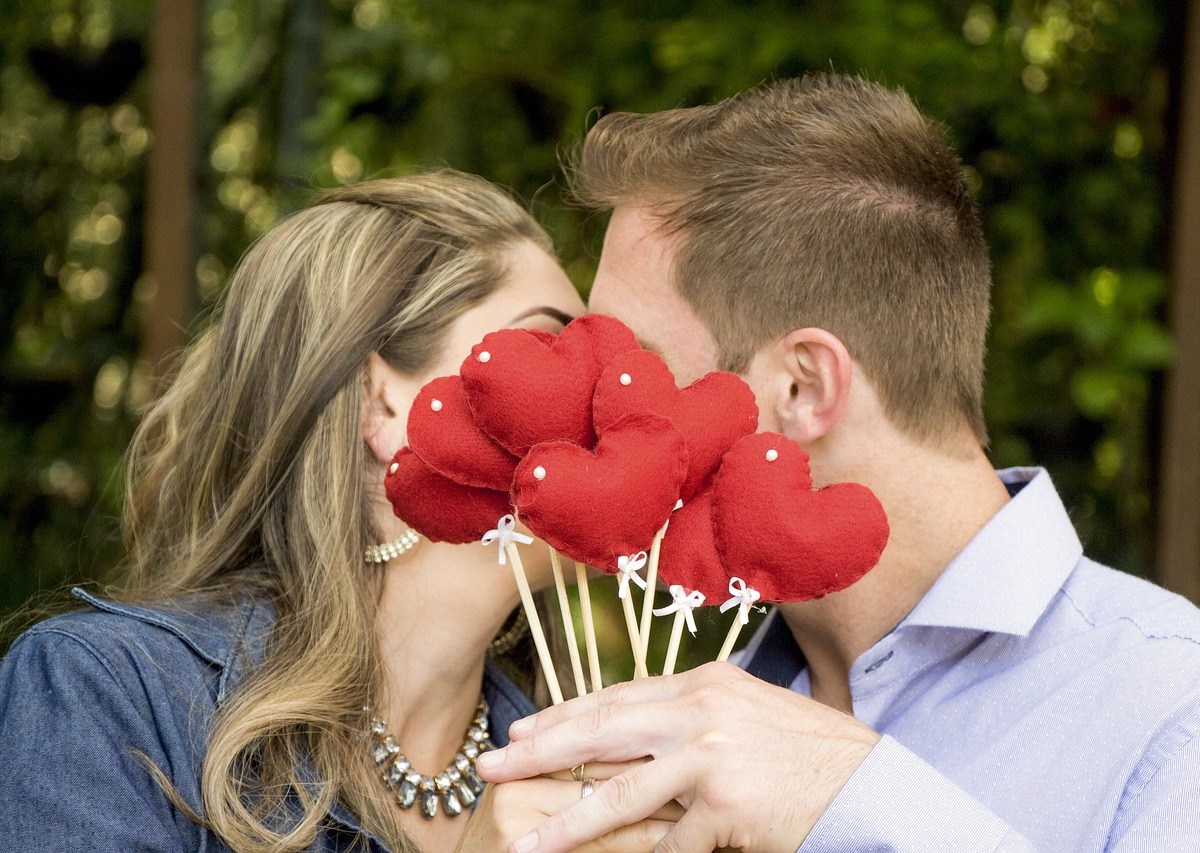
{"type": "Point", "coordinates": [82, 693]}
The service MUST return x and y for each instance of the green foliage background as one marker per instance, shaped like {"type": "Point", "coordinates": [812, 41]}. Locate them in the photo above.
{"type": "Point", "coordinates": [1058, 108]}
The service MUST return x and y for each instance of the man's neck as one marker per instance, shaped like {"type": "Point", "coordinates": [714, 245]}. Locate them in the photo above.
{"type": "Point", "coordinates": [936, 503]}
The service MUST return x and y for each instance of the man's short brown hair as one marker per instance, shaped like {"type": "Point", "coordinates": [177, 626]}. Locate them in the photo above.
{"type": "Point", "coordinates": [822, 201]}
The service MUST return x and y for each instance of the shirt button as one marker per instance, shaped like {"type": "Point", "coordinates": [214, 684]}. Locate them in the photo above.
{"type": "Point", "coordinates": [879, 662]}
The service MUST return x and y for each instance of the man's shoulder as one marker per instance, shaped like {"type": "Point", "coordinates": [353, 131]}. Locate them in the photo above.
{"type": "Point", "coordinates": [1119, 638]}
{"type": "Point", "coordinates": [1104, 598]}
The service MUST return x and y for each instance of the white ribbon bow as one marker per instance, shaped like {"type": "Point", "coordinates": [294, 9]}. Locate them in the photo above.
{"type": "Point", "coordinates": [505, 534]}
{"type": "Point", "coordinates": [684, 602]}
{"type": "Point", "coordinates": [743, 597]}
{"type": "Point", "coordinates": [628, 567]}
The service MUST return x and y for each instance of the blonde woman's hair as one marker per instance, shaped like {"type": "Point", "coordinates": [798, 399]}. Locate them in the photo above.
{"type": "Point", "coordinates": [250, 473]}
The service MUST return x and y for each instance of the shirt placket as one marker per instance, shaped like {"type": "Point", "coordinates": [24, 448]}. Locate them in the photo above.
{"type": "Point", "coordinates": [886, 669]}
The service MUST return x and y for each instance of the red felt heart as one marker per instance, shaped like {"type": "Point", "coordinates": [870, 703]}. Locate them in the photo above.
{"type": "Point", "coordinates": [781, 537]}
{"type": "Point", "coordinates": [599, 505]}
{"type": "Point", "coordinates": [442, 431]}
{"type": "Point", "coordinates": [711, 413]}
{"type": "Point", "coordinates": [524, 390]}
{"type": "Point", "coordinates": [689, 551]}
{"type": "Point", "coordinates": [438, 508]}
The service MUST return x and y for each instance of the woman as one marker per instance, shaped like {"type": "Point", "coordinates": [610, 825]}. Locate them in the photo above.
{"type": "Point", "coordinates": [273, 611]}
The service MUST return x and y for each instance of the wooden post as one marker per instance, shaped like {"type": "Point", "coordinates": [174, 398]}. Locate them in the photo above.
{"type": "Point", "coordinates": [1178, 563]}
{"type": "Point", "coordinates": [170, 253]}
{"type": "Point", "coordinates": [298, 100]}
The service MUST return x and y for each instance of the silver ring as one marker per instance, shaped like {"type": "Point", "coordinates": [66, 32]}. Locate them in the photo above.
{"type": "Point", "coordinates": [589, 785]}
{"type": "Point", "coordinates": [577, 772]}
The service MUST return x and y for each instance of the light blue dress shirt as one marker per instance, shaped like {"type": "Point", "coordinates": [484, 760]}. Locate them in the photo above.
{"type": "Point", "coordinates": [1032, 700]}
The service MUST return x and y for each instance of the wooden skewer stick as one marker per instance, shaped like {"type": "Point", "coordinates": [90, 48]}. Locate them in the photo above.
{"type": "Point", "coordinates": [635, 640]}
{"type": "Point", "coordinates": [648, 598]}
{"type": "Point", "coordinates": [589, 626]}
{"type": "Point", "coordinates": [682, 604]}
{"type": "Point", "coordinates": [564, 606]}
{"type": "Point", "coordinates": [627, 576]}
{"type": "Point", "coordinates": [535, 624]}
{"type": "Point", "coordinates": [730, 638]}
{"type": "Point", "coordinates": [742, 598]}
{"type": "Point", "coordinates": [673, 645]}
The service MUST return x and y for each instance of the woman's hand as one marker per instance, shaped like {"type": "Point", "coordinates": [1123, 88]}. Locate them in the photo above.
{"type": "Point", "coordinates": [510, 810]}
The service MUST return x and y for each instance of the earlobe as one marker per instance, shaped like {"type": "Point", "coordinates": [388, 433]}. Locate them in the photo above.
{"type": "Point", "coordinates": [382, 426]}
{"type": "Point", "coordinates": [373, 432]}
{"type": "Point", "coordinates": [820, 371]}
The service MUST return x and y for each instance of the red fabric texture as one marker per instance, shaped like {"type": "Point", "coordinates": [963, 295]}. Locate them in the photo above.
{"type": "Point", "coordinates": [711, 413]}
{"type": "Point", "coordinates": [749, 507]}
{"type": "Point", "coordinates": [597, 506]}
{"type": "Point", "coordinates": [689, 554]}
{"type": "Point", "coordinates": [438, 508]}
{"type": "Point", "coordinates": [443, 433]}
{"type": "Point", "coordinates": [781, 537]}
{"type": "Point", "coordinates": [526, 391]}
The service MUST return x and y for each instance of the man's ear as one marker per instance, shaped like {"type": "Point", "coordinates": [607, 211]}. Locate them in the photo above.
{"type": "Point", "coordinates": [819, 370]}
{"type": "Point", "coordinates": [383, 416]}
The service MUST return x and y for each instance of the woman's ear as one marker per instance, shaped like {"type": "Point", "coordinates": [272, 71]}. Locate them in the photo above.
{"type": "Point", "coordinates": [384, 413]}
{"type": "Point", "coordinates": [818, 370]}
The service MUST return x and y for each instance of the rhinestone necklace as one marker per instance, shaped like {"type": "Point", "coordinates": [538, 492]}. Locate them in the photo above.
{"type": "Point", "coordinates": [455, 788]}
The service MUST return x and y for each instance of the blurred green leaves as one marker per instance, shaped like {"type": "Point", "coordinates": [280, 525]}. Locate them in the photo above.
{"type": "Point", "coordinates": [1056, 105]}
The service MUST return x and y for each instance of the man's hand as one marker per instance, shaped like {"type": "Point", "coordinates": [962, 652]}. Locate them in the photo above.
{"type": "Point", "coordinates": [754, 765]}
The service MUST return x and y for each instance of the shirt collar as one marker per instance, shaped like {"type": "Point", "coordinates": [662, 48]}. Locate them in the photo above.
{"type": "Point", "coordinates": [1008, 574]}
{"type": "Point", "coordinates": [1002, 581]}
{"type": "Point", "coordinates": [227, 631]}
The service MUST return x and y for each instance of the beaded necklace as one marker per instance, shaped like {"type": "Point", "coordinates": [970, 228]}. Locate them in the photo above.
{"type": "Point", "coordinates": [456, 788]}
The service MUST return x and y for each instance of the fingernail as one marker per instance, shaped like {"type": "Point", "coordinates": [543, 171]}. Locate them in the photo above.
{"type": "Point", "coordinates": [521, 727]}
{"type": "Point", "coordinates": [525, 843]}
{"type": "Point", "coordinates": [489, 760]}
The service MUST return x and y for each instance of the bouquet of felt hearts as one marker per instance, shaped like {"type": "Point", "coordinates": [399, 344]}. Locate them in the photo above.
{"type": "Point", "coordinates": [586, 439]}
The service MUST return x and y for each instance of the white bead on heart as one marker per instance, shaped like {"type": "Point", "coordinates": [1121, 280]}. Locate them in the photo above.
{"type": "Point", "coordinates": [539, 473]}
{"type": "Point", "coordinates": [394, 467]}
{"type": "Point", "coordinates": [626, 379]}
{"type": "Point", "coordinates": [436, 405]}
{"type": "Point", "coordinates": [772, 455]}
{"type": "Point", "coordinates": [485, 357]}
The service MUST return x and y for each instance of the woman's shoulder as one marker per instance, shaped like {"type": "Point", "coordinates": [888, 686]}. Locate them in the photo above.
{"type": "Point", "coordinates": [91, 698]}
{"type": "Point", "coordinates": [213, 638]}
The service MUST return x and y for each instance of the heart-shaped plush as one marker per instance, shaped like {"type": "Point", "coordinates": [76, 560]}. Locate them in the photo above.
{"type": "Point", "coordinates": [786, 540]}
{"type": "Point", "coordinates": [438, 508]}
{"type": "Point", "coordinates": [711, 413]}
{"type": "Point", "coordinates": [548, 338]}
{"type": "Point", "coordinates": [598, 505]}
{"type": "Point", "coordinates": [689, 552]}
{"type": "Point", "coordinates": [442, 431]}
{"type": "Point", "coordinates": [524, 390]}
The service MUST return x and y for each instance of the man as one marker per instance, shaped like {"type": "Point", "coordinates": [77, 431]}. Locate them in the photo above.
{"type": "Point", "coordinates": [985, 687]}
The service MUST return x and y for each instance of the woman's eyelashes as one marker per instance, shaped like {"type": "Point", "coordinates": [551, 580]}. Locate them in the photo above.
{"type": "Point", "coordinates": [542, 314]}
